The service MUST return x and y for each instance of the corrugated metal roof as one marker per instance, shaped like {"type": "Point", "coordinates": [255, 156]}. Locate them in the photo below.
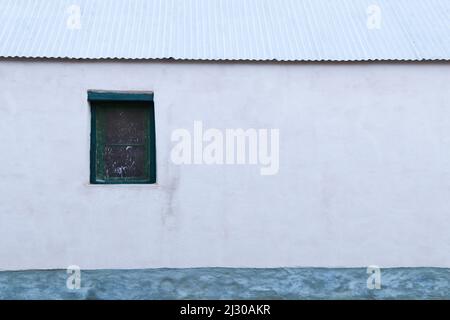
{"type": "Point", "coordinates": [339, 30]}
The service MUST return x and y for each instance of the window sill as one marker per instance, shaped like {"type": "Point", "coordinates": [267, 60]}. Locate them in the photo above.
{"type": "Point", "coordinates": [124, 185]}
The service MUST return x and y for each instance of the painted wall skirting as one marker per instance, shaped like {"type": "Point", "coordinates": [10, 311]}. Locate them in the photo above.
{"type": "Point", "coordinates": [228, 283]}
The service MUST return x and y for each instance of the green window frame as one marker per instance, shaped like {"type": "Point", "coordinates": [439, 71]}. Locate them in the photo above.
{"type": "Point", "coordinates": [103, 103]}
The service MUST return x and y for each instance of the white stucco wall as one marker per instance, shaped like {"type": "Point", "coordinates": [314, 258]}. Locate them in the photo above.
{"type": "Point", "coordinates": [364, 167]}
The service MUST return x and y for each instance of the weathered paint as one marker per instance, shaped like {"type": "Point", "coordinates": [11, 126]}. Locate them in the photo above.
{"type": "Point", "coordinates": [102, 95]}
{"type": "Point", "coordinates": [228, 283]}
{"type": "Point", "coordinates": [364, 167]}
{"type": "Point", "coordinates": [99, 101]}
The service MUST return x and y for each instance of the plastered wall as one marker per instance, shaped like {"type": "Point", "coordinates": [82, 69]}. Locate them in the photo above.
{"type": "Point", "coordinates": [364, 167]}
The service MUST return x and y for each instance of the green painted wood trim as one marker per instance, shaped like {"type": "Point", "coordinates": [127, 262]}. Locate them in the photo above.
{"type": "Point", "coordinates": [94, 95]}
{"type": "Point", "coordinates": [93, 151]}
{"type": "Point", "coordinates": [151, 140]}
{"type": "Point", "coordinates": [152, 144]}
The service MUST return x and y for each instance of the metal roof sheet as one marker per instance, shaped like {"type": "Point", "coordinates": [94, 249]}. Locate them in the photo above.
{"type": "Point", "coordinates": [297, 30]}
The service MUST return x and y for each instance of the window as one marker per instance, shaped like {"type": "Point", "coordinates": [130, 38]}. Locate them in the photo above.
{"type": "Point", "coordinates": [122, 137]}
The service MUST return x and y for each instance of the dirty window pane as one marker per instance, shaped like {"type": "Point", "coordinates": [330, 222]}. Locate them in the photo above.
{"type": "Point", "coordinates": [124, 161]}
{"type": "Point", "coordinates": [125, 125]}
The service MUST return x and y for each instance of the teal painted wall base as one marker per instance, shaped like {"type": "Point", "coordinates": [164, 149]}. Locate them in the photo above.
{"type": "Point", "coordinates": [228, 283]}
